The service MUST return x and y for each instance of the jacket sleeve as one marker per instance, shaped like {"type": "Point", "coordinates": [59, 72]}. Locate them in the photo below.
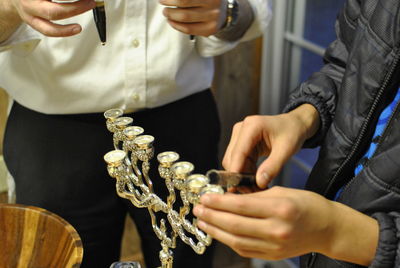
{"type": "Point", "coordinates": [322, 88]}
{"type": "Point", "coordinates": [387, 255]}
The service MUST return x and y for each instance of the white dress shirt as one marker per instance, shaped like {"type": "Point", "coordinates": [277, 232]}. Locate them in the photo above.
{"type": "Point", "coordinates": [144, 64]}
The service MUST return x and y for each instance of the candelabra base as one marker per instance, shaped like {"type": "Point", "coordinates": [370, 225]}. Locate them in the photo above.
{"type": "Point", "coordinates": [129, 264]}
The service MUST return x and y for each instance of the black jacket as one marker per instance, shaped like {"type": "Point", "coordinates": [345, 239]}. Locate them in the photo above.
{"type": "Point", "coordinates": [359, 79]}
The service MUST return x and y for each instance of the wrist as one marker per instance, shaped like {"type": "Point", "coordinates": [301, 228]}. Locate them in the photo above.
{"type": "Point", "coordinates": [308, 117]}
{"type": "Point", "coordinates": [353, 236]}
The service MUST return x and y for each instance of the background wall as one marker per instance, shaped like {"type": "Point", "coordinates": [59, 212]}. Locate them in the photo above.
{"type": "Point", "coordinates": [237, 86]}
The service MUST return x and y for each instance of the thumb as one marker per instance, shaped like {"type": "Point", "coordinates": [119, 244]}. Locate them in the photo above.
{"type": "Point", "coordinates": [271, 166]}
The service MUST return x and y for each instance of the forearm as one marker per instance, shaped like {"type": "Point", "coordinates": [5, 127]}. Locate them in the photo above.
{"type": "Point", "coordinates": [245, 19]}
{"type": "Point", "coordinates": [354, 236]}
{"type": "Point", "coordinates": [9, 19]}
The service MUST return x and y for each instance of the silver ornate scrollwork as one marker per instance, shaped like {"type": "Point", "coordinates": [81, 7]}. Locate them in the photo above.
{"type": "Point", "coordinates": [129, 164]}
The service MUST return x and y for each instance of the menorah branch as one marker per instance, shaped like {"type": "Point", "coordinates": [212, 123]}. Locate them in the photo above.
{"type": "Point", "coordinates": [129, 164]}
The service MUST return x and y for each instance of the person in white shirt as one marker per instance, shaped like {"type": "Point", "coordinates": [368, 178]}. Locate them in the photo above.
{"type": "Point", "coordinates": [56, 135]}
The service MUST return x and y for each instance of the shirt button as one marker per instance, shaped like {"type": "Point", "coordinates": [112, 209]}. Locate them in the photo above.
{"type": "Point", "coordinates": [135, 97]}
{"type": "Point", "coordinates": [135, 43]}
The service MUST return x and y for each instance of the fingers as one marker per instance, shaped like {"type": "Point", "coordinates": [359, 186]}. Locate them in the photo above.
{"type": "Point", "coordinates": [246, 234]}
{"type": "Point", "coordinates": [244, 245]}
{"type": "Point", "coordinates": [190, 15]}
{"type": "Point", "coordinates": [199, 29]}
{"type": "Point", "coordinates": [229, 222]}
{"type": "Point", "coordinates": [57, 11]}
{"type": "Point", "coordinates": [244, 189]}
{"type": "Point", "coordinates": [194, 17]}
{"type": "Point", "coordinates": [226, 161]}
{"type": "Point", "coordinates": [245, 205]}
{"type": "Point", "coordinates": [54, 30]}
{"type": "Point", "coordinates": [40, 15]}
{"type": "Point", "coordinates": [270, 167]}
{"type": "Point", "coordinates": [189, 3]}
{"type": "Point", "coordinates": [275, 137]}
{"type": "Point", "coordinates": [246, 145]}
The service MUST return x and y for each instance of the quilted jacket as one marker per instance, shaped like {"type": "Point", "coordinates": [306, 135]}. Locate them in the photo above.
{"type": "Point", "coordinates": [360, 77]}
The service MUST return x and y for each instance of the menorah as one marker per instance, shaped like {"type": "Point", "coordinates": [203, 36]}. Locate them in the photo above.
{"type": "Point", "coordinates": [129, 164]}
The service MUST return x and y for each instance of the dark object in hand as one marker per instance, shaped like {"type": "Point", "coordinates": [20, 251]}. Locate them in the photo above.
{"type": "Point", "coordinates": [99, 14]}
{"type": "Point", "coordinates": [232, 181]}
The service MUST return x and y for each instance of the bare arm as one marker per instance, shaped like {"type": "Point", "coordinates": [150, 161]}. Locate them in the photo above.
{"type": "Point", "coordinates": [281, 223]}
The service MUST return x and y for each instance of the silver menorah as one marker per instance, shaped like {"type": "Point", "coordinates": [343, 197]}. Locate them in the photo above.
{"type": "Point", "coordinates": [129, 164]}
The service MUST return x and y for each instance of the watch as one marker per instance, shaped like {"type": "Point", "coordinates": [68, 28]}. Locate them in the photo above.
{"type": "Point", "coordinates": [232, 11]}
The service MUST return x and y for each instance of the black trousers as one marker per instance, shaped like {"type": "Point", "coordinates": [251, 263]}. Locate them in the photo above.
{"type": "Point", "coordinates": [57, 163]}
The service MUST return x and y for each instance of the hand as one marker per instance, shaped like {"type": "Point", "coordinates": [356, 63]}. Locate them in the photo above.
{"type": "Point", "coordinates": [195, 17]}
{"type": "Point", "coordinates": [273, 224]}
{"type": "Point", "coordinates": [278, 137]}
{"type": "Point", "coordinates": [282, 223]}
{"type": "Point", "coordinates": [39, 14]}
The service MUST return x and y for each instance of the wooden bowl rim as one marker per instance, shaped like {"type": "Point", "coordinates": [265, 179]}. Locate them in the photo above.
{"type": "Point", "coordinates": [74, 234]}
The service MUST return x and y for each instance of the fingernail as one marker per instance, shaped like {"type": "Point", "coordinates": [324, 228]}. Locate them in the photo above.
{"type": "Point", "coordinates": [205, 199]}
{"type": "Point", "coordinates": [201, 224]}
{"type": "Point", "coordinates": [198, 211]}
{"type": "Point", "coordinates": [265, 177]}
{"type": "Point", "coordinates": [76, 30]}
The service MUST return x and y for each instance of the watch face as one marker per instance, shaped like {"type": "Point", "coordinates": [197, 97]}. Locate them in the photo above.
{"type": "Point", "coordinates": [232, 13]}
